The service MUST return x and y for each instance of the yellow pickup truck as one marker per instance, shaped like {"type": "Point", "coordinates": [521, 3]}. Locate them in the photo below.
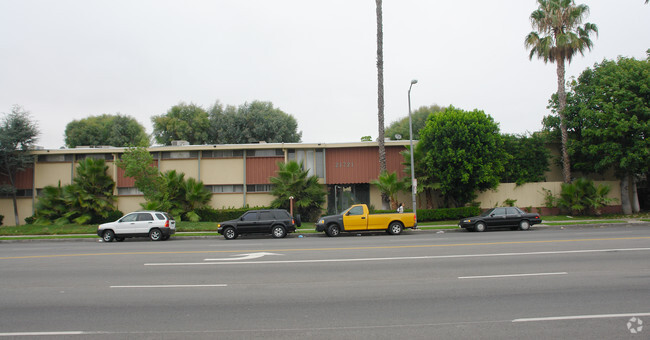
{"type": "Point", "coordinates": [357, 218]}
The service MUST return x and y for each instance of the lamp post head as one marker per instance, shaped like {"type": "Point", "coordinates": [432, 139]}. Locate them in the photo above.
{"type": "Point", "coordinates": [414, 81]}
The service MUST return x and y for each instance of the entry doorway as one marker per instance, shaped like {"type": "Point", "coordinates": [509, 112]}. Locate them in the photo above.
{"type": "Point", "coordinates": [342, 196]}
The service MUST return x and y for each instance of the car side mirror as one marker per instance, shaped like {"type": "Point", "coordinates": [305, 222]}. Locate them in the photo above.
{"type": "Point", "coordinates": [491, 215]}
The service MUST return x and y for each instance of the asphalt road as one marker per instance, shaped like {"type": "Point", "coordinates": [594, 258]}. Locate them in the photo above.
{"type": "Point", "coordinates": [547, 283]}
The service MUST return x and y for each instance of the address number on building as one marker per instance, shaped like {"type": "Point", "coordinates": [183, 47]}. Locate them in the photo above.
{"type": "Point", "coordinates": [344, 165]}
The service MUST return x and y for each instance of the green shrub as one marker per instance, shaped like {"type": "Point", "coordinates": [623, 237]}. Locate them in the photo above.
{"type": "Point", "coordinates": [30, 219]}
{"type": "Point", "coordinates": [208, 214]}
{"type": "Point", "coordinates": [443, 214]}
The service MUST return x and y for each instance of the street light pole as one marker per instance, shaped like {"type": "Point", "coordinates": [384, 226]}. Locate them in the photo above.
{"type": "Point", "coordinates": [413, 180]}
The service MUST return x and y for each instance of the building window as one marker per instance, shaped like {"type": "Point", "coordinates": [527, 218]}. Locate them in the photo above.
{"type": "Point", "coordinates": [129, 192]}
{"type": "Point", "coordinates": [259, 188]}
{"type": "Point", "coordinates": [223, 154]}
{"type": "Point", "coordinates": [19, 193]}
{"type": "Point", "coordinates": [225, 189]}
{"type": "Point", "coordinates": [180, 155]}
{"type": "Point", "coordinates": [104, 156]}
{"type": "Point", "coordinates": [55, 158]}
{"type": "Point", "coordinates": [266, 153]}
{"type": "Point", "coordinates": [313, 160]}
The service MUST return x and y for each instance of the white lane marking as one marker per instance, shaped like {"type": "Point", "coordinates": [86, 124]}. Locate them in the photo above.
{"type": "Point", "coordinates": [251, 256]}
{"type": "Point", "coordinates": [171, 286]}
{"type": "Point", "coordinates": [397, 258]}
{"type": "Point", "coordinates": [581, 317]}
{"type": "Point", "coordinates": [510, 275]}
{"type": "Point", "coordinates": [43, 333]}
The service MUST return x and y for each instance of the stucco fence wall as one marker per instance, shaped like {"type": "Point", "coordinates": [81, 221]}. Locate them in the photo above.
{"type": "Point", "coordinates": [532, 195]}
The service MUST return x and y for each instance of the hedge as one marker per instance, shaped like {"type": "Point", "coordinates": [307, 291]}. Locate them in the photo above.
{"type": "Point", "coordinates": [214, 215]}
{"type": "Point", "coordinates": [442, 214]}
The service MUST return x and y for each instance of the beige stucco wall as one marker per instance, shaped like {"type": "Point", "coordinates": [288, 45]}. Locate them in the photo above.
{"type": "Point", "coordinates": [7, 210]}
{"type": "Point", "coordinates": [190, 167]}
{"type": "Point", "coordinates": [225, 201]}
{"type": "Point", "coordinates": [259, 199]}
{"type": "Point", "coordinates": [127, 204]}
{"type": "Point", "coordinates": [532, 194]}
{"type": "Point", "coordinates": [51, 173]}
{"type": "Point", "coordinates": [222, 171]}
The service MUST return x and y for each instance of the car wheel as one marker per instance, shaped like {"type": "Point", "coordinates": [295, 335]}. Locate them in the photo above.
{"type": "Point", "coordinates": [333, 230]}
{"type": "Point", "coordinates": [119, 239]}
{"type": "Point", "coordinates": [395, 228]}
{"type": "Point", "coordinates": [524, 225]}
{"type": "Point", "coordinates": [108, 236]}
{"type": "Point", "coordinates": [480, 227]}
{"type": "Point", "coordinates": [278, 231]}
{"type": "Point", "coordinates": [155, 235]}
{"type": "Point", "coordinates": [230, 233]}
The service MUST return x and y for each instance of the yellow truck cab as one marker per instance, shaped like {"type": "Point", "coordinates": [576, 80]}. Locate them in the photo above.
{"type": "Point", "coordinates": [358, 218]}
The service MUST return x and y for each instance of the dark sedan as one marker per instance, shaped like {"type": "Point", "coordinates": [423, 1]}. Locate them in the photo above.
{"type": "Point", "coordinates": [501, 218]}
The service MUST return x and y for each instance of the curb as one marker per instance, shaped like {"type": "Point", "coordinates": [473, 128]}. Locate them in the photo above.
{"type": "Point", "coordinates": [452, 228]}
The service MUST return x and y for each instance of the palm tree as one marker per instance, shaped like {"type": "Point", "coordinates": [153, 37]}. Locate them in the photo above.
{"type": "Point", "coordinates": [559, 36]}
{"type": "Point", "coordinates": [380, 90]}
{"type": "Point", "coordinates": [390, 185]}
{"type": "Point", "coordinates": [293, 181]}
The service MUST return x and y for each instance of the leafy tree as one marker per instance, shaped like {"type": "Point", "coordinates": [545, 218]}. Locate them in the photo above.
{"type": "Point", "coordinates": [308, 194]}
{"type": "Point", "coordinates": [418, 119]}
{"type": "Point", "coordinates": [464, 153]}
{"type": "Point", "coordinates": [17, 136]}
{"type": "Point", "coordinates": [560, 35]}
{"type": "Point", "coordinates": [187, 122]}
{"type": "Point", "coordinates": [608, 115]}
{"type": "Point", "coordinates": [528, 158]}
{"type": "Point", "coordinates": [168, 191]}
{"type": "Point", "coordinates": [138, 163]}
{"type": "Point", "coordinates": [389, 185]}
{"type": "Point", "coordinates": [115, 130]}
{"type": "Point", "coordinates": [251, 123]}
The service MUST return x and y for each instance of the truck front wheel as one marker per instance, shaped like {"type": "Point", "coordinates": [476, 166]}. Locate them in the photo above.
{"type": "Point", "coordinates": [395, 228]}
{"type": "Point", "coordinates": [333, 230]}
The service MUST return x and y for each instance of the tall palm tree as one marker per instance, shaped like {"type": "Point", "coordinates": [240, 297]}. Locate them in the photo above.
{"type": "Point", "coordinates": [380, 90]}
{"type": "Point", "coordinates": [560, 35]}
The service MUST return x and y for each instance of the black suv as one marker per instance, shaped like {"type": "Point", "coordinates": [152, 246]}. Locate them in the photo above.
{"type": "Point", "coordinates": [277, 222]}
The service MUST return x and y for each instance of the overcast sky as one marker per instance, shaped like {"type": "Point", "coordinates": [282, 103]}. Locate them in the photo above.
{"type": "Point", "coordinates": [316, 60]}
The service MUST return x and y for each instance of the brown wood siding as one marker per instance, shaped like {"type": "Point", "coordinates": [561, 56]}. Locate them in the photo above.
{"type": "Point", "coordinates": [260, 169]}
{"type": "Point", "coordinates": [24, 179]}
{"type": "Point", "coordinates": [360, 165]}
{"type": "Point", "coordinates": [394, 160]}
{"type": "Point", "coordinates": [128, 182]}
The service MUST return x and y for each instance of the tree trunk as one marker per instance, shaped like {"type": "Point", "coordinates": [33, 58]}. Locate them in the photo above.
{"type": "Point", "coordinates": [16, 209]}
{"type": "Point", "coordinates": [380, 94]}
{"type": "Point", "coordinates": [561, 97]}
{"type": "Point", "coordinates": [636, 207]}
{"type": "Point", "coordinates": [625, 196]}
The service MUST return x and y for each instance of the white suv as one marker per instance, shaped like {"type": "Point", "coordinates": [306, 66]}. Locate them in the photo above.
{"type": "Point", "coordinates": [156, 225]}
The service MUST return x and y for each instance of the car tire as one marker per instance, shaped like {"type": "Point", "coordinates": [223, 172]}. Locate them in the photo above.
{"type": "Point", "coordinates": [298, 220]}
{"type": "Point", "coordinates": [230, 233]}
{"type": "Point", "coordinates": [278, 231]}
{"type": "Point", "coordinates": [108, 236]}
{"type": "Point", "coordinates": [119, 239]}
{"type": "Point", "coordinates": [395, 228]}
{"type": "Point", "coordinates": [155, 235]}
{"type": "Point", "coordinates": [479, 227]}
{"type": "Point", "coordinates": [333, 230]}
{"type": "Point", "coordinates": [524, 225]}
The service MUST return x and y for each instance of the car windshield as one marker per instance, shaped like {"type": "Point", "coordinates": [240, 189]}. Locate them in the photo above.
{"type": "Point", "coordinates": [487, 212]}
